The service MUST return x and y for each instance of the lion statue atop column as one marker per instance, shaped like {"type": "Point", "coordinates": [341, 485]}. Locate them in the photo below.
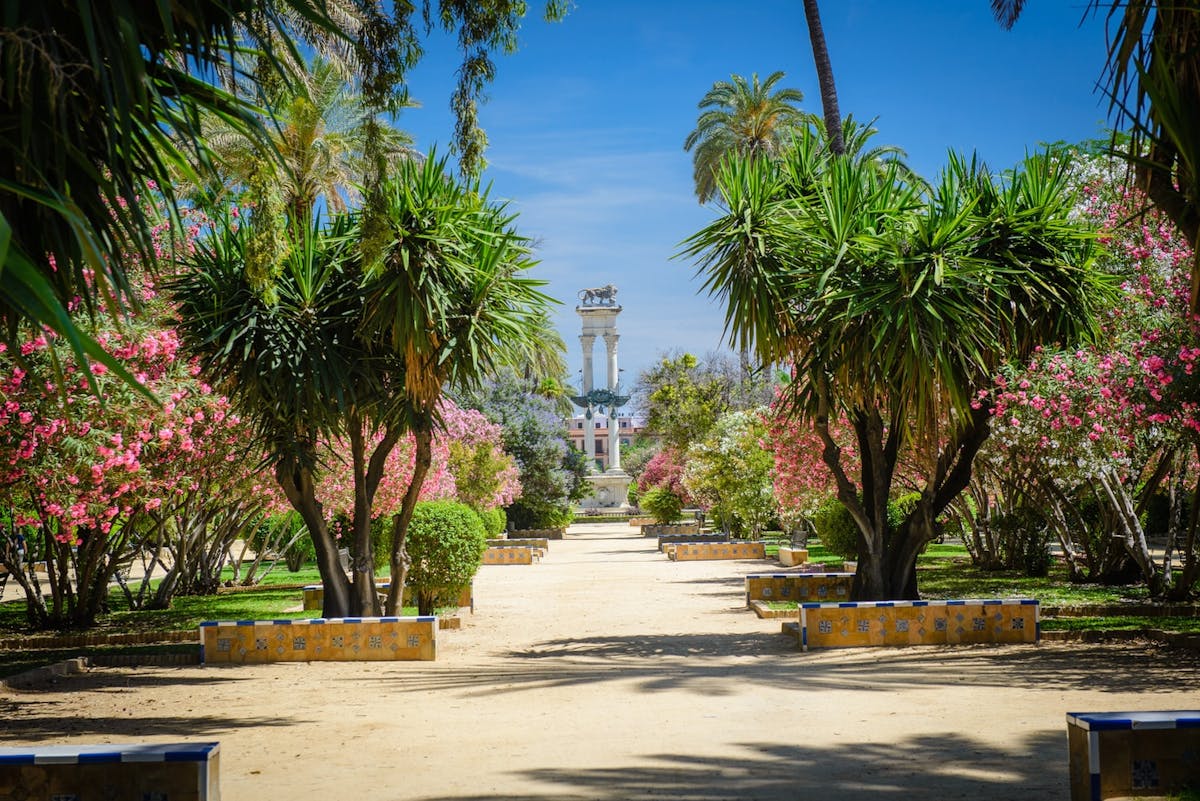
{"type": "Point", "coordinates": [599, 296]}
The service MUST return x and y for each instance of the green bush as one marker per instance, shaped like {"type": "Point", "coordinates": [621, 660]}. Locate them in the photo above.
{"type": "Point", "coordinates": [631, 497]}
{"type": "Point", "coordinates": [494, 521]}
{"type": "Point", "coordinates": [836, 529]}
{"type": "Point", "coordinates": [446, 541]}
{"type": "Point", "coordinates": [664, 505]}
{"type": "Point", "coordinates": [525, 514]}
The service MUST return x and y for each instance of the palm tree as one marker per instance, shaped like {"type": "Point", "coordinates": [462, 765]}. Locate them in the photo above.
{"type": "Point", "coordinates": [829, 99]}
{"type": "Point", "coordinates": [746, 118]}
{"type": "Point", "coordinates": [315, 150]}
{"type": "Point", "coordinates": [894, 303]}
{"type": "Point", "coordinates": [1152, 78]}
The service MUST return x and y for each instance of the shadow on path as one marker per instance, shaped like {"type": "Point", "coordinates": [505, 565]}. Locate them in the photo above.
{"type": "Point", "coordinates": [676, 662]}
{"type": "Point", "coordinates": [942, 767]}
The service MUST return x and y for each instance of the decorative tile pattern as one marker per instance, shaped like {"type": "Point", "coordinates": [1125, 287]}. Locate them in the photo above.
{"type": "Point", "coordinates": [508, 556]}
{"type": "Point", "coordinates": [907, 623]}
{"type": "Point", "coordinates": [704, 551]}
{"type": "Point", "coordinates": [798, 586]}
{"type": "Point", "coordinates": [410, 638]}
{"type": "Point", "coordinates": [1122, 754]}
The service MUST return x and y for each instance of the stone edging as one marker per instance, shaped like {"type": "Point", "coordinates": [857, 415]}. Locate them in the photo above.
{"type": "Point", "coordinates": [1116, 610]}
{"type": "Point", "coordinates": [38, 642]}
{"type": "Point", "coordinates": [1176, 639]}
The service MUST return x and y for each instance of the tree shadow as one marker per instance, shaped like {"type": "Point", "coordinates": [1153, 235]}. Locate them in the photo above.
{"type": "Point", "coordinates": [943, 766]}
{"type": "Point", "coordinates": [657, 663]}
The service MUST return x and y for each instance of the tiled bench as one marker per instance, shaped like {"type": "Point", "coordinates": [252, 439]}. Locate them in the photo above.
{"type": "Point", "coordinates": [314, 596]}
{"type": "Point", "coordinates": [508, 556]}
{"type": "Point", "coordinates": [705, 551]}
{"type": "Point", "coordinates": [536, 533]}
{"type": "Point", "coordinates": [800, 587]}
{"type": "Point", "coordinates": [351, 639]}
{"type": "Point", "coordinates": [865, 623]}
{"type": "Point", "coordinates": [789, 556]}
{"type": "Point", "coordinates": [659, 530]}
{"type": "Point", "coordinates": [172, 771]}
{"type": "Point", "coordinates": [1120, 754]}
{"type": "Point", "coordinates": [541, 543]}
{"type": "Point", "coordinates": [676, 539]}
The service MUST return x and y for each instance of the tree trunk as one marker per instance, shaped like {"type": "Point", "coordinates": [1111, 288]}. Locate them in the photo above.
{"type": "Point", "coordinates": [297, 484]}
{"type": "Point", "coordinates": [363, 598]}
{"type": "Point", "coordinates": [423, 459]}
{"type": "Point", "coordinates": [829, 100]}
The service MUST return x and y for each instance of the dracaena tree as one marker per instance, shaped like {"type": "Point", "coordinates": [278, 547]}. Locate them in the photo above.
{"type": "Point", "coordinates": [896, 303]}
{"type": "Point", "coordinates": [342, 349]}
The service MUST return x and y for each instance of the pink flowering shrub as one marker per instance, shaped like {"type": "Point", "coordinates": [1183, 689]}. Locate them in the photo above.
{"type": "Point", "coordinates": [1107, 425]}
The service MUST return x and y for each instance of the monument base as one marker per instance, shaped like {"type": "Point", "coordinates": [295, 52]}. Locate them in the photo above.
{"type": "Point", "coordinates": [610, 490]}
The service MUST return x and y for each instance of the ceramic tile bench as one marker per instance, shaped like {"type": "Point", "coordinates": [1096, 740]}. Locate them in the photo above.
{"type": "Point", "coordinates": [800, 587]}
{"type": "Point", "coordinates": [658, 530]}
{"type": "Point", "coordinates": [676, 539]}
{"type": "Point", "coordinates": [171, 771]}
{"type": "Point", "coordinates": [538, 533]}
{"type": "Point", "coordinates": [509, 556]}
{"type": "Point", "coordinates": [704, 551]}
{"type": "Point", "coordinates": [865, 623]}
{"type": "Point", "coordinates": [314, 596]}
{"type": "Point", "coordinates": [541, 543]}
{"type": "Point", "coordinates": [1121, 754]}
{"type": "Point", "coordinates": [351, 639]}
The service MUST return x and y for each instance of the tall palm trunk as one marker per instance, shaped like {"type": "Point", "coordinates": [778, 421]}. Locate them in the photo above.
{"type": "Point", "coordinates": [829, 101]}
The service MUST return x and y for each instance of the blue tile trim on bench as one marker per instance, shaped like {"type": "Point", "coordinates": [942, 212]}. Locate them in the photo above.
{"type": "Point", "coordinates": [108, 753]}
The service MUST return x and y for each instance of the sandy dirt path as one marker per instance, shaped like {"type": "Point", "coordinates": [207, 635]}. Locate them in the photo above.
{"type": "Point", "coordinates": [608, 672]}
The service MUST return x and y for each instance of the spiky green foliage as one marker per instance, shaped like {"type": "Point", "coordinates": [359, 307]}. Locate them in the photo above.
{"type": "Point", "coordinates": [894, 303]}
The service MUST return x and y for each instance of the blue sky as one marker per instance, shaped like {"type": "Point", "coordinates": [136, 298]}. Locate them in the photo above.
{"type": "Point", "coordinates": [586, 124]}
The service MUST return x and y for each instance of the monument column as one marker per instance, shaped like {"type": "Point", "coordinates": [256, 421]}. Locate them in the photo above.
{"type": "Point", "coordinates": [589, 425]}
{"type": "Point", "coordinates": [611, 338]}
{"type": "Point", "coordinates": [598, 310]}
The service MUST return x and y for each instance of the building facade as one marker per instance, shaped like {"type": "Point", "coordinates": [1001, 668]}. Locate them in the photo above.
{"type": "Point", "coordinates": [628, 428]}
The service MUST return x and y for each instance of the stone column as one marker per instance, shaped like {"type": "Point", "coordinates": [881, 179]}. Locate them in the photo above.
{"type": "Point", "coordinates": [611, 338]}
{"type": "Point", "coordinates": [589, 425]}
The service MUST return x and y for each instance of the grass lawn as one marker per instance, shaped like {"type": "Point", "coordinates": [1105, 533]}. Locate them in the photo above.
{"type": "Point", "coordinates": [945, 571]}
{"type": "Point", "coordinates": [275, 599]}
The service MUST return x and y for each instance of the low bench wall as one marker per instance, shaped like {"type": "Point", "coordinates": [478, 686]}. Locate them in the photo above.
{"type": "Point", "coordinates": [536, 533]}
{"type": "Point", "coordinates": [1132, 753]}
{"type": "Point", "coordinates": [670, 528]}
{"type": "Point", "coordinates": [850, 624]}
{"type": "Point", "coordinates": [703, 551]}
{"type": "Point", "coordinates": [677, 539]}
{"type": "Point", "coordinates": [789, 556]}
{"type": "Point", "coordinates": [508, 556]}
{"type": "Point", "coordinates": [641, 521]}
{"type": "Point", "coordinates": [800, 587]}
{"type": "Point", "coordinates": [314, 596]}
{"type": "Point", "coordinates": [351, 639]}
{"type": "Point", "coordinates": [526, 542]}
{"type": "Point", "coordinates": [172, 771]}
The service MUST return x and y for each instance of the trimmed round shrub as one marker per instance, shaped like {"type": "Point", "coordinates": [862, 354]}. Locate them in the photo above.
{"type": "Point", "coordinates": [836, 529]}
{"type": "Point", "coordinates": [494, 521]}
{"type": "Point", "coordinates": [446, 541]}
{"type": "Point", "coordinates": [664, 505]}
